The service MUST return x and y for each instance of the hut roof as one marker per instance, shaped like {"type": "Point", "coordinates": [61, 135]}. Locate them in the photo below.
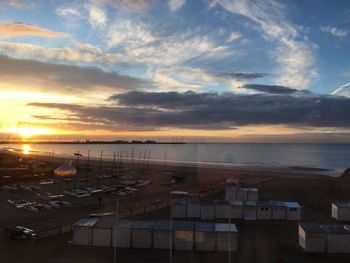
{"type": "Point", "coordinates": [312, 227]}
{"type": "Point", "coordinates": [221, 227]}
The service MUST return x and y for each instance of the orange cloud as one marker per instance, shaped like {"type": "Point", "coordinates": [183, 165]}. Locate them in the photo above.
{"type": "Point", "coordinates": [18, 29]}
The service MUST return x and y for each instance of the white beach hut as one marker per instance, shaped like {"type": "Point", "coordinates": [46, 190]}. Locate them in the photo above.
{"type": "Point", "coordinates": [312, 238]}
{"type": "Point", "coordinates": [161, 234]}
{"type": "Point", "coordinates": [222, 209]}
{"type": "Point", "coordinates": [252, 194]}
{"type": "Point", "coordinates": [226, 234]}
{"type": "Point", "coordinates": [338, 239]}
{"type": "Point", "coordinates": [279, 210]}
{"type": "Point", "coordinates": [263, 210]}
{"type": "Point", "coordinates": [242, 194]}
{"type": "Point", "coordinates": [82, 231]}
{"type": "Point", "coordinates": [249, 210]}
{"type": "Point", "coordinates": [183, 235]}
{"type": "Point", "coordinates": [193, 208]}
{"type": "Point", "coordinates": [123, 234]}
{"type": "Point", "coordinates": [341, 211]}
{"type": "Point", "coordinates": [236, 209]}
{"type": "Point", "coordinates": [207, 210]}
{"type": "Point", "coordinates": [102, 233]}
{"type": "Point", "coordinates": [141, 236]}
{"type": "Point", "coordinates": [293, 211]}
{"type": "Point", "coordinates": [179, 208]}
{"type": "Point", "coordinates": [205, 236]}
{"type": "Point", "coordinates": [65, 169]}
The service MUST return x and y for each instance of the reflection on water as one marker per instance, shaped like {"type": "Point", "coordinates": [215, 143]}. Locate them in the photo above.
{"type": "Point", "coordinates": [26, 149]}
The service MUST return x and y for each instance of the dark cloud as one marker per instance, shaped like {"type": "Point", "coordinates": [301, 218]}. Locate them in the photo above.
{"type": "Point", "coordinates": [213, 111]}
{"type": "Point", "coordinates": [66, 77]}
{"type": "Point", "coordinates": [239, 76]}
{"type": "Point", "coordinates": [273, 89]}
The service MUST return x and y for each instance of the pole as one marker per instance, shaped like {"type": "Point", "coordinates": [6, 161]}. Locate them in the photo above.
{"type": "Point", "coordinates": [116, 232]}
{"type": "Point", "coordinates": [99, 170]}
{"type": "Point", "coordinates": [171, 230]}
{"type": "Point", "coordinates": [87, 169]}
{"type": "Point", "coordinates": [229, 235]}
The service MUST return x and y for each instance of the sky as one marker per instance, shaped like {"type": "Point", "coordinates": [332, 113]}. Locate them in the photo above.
{"type": "Point", "coordinates": [208, 70]}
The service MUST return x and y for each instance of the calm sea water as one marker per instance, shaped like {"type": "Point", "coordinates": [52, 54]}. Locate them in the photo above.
{"type": "Point", "coordinates": [331, 156]}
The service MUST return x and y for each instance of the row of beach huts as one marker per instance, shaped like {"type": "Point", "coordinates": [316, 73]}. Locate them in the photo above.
{"type": "Point", "coordinates": [185, 235]}
{"type": "Point", "coordinates": [245, 210]}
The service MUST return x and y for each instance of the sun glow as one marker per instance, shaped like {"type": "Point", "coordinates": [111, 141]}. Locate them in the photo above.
{"type": "Point", "coordinates": [26, 132]}
{"type": "Point", "coordinates": [26, 149]}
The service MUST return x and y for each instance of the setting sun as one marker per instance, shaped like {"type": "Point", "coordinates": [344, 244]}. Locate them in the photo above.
{"type": "Point", "coordinates": [27, 132]}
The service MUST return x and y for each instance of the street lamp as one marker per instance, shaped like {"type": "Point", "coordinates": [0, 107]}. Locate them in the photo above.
{"type": "Point", "coordinates": [173, 193]}
{"type": "Point", "coordinates": [115, 232]}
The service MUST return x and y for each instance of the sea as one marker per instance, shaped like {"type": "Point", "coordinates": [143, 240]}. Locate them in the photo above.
{"type": "Point", "coordinates": [316, 156]}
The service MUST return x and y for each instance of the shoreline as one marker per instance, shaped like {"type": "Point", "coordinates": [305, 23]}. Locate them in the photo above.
{"type": "Point", "coordinates": [176, 166]}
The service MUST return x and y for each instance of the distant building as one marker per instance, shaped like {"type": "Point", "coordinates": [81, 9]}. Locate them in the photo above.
{"type": "Point", "coordinates": [341, 211]}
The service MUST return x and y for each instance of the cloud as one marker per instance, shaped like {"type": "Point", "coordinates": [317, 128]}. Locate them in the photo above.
{"type": "Point", "coordinates": [272, 89]}
{"type": "Point", "coordinates": [82, 53]}
{"type": "Point", "coordinates": [212, 110]}
{"type": "Point", "coordinates": [175, 4]}
{"type": "Point", "coordinates": [139, 42]}
{"type": "Point", "coordinates": [295, 56]}
{"type": "Point", "coordinates": [234, 36]}
{"type": "Point", "coordinates": [343, 90]}
{"type": "Point", "coordinates": [69, 12]}
{"type": "Point", "coordinates": [18, 29]}
{"type": "Point", "coordinates": [64, 78]}
{"type": "Point", "coordinates": [16, 3]}
{"type": "Point", "coordinates": [132, 5]}
{"type": "Point", "coordinates": [196, 78]}
{"type": "Point", "coordinates": [337, 32]}
{"type": "Point", "coordinates": [97, 16]}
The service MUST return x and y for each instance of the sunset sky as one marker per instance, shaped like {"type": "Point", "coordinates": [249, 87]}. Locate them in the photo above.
{"type": "Point", "coordinates": [209, 69]}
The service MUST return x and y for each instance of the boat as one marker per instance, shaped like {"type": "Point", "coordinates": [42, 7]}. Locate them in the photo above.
{"type": "Point", "coordinates": [31, 208]}
{"type": "Point", "coordinates": [19, 203]}
{"type": "Point", "coordinates": [11, 187]}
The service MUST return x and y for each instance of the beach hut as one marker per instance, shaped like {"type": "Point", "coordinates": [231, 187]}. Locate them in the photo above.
{"type": "Point", "coordinates": [236, 209]}
{"type": "Point", "coordinates": [242, 194]}
{"type": "Point", "coordinates": [338, 239]}
{"type": "Point", "coordinates": [207, 210]}
{"type": "Point", "coordinates": [279, 210]}
{"type": "Point", "coordinates": [341, 211]}
{"type": "Point", "coordinates": [249, 210]}
{"type": "Point", "coordinates": [226, 234]}
{"type": "Point", "coordinates": [252, 194]}
{"type": "Point", "coordinates": [179, 208]}
{"type": "Point", "coordinates": [161, 234]}
{"type": "Point", "coordinates": [102, 233]}
{"type": "Point", "coordinates": [263, 210]}
{"type": "Point", "coordinates": [293, 211]}
{"type": "Point", "coordinates": [222, 209]}
{"type": "Point", "coordinates": [205, 236]}
{"type": "Point", "coordinates": [141, 236]}
{"type": "Point", "coordinates": [82, 231]}
{"type": "Point", "coordinates": [183, 235]}
{"type": "Point", "coordinates": [123, 234]}
{"type": "Point", "coordinates": [312, 238]}
{"type": "Point", "coordinates": [193, 208]}
{"type": "Point", "coordinates": [65, 169]}
{"type": "Point", "coordinates": [231, 193]}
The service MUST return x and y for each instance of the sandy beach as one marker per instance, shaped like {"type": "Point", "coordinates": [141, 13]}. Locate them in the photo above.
{"type": "Point", "coordinates": [257, 241]}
